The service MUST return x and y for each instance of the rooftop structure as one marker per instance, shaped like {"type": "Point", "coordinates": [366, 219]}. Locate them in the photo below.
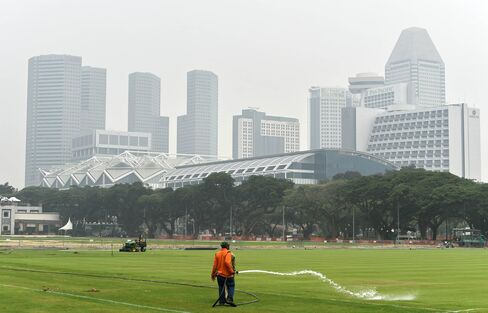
{"type": "Point", "coordinates": [109, 143]}
{"type": "Point", "coordinates": [161, 171]}
{"type": "Point", "coordinates": [363, 81]}
{"type": "Point", "coordinates": [127, 167]}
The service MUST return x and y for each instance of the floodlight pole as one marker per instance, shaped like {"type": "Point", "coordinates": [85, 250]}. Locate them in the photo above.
{"type": "Point", "coordinates": [230, 222]}
{"type": "Point", "coordinates": [398, 220]}
{"type": "Point", "coordinates": [283, 223]}
{"type": "Point", "coordinates": [353, 226]}
{"type": "Point", "coordinates": [186, 220]}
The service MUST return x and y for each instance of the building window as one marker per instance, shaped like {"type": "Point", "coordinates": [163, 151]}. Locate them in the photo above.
{"type": "Point", "coordinates": [114, 140]}
{"type": "Point", "coordinates": [5, 228]}
{"type": "Point", "coordinates": [143, 141]}
{"type": "Point", "coordinates": [6, 214]}
{"type": "Point", "coordinates": [124, 140]}
{"type": "Point", "coordinates": [103, 139]}
{"type": "Point", "coordinates": [133, 141]}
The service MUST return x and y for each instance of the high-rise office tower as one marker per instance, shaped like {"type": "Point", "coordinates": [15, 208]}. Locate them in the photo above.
{"type": "Point", "coordinates": [93, 98]}
{"type": "Point", "coordinates": [415, 60]}
{"type": "Point", "coordinates": [144, 109]}
{"type": "Point", "coordinates": [325, 105]}
{"type": "Point", "coordinates": [257, 134]}
{"type": "Point", "coordinates": [53, 112]}
{"type": "Point", "coordinates": [198, 129]}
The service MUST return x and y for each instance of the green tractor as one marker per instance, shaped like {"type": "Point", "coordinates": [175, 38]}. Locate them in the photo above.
{"type": "Point", "coordinates": [138, 245]}
{"type": "Point", "coordinates": [467, 237]}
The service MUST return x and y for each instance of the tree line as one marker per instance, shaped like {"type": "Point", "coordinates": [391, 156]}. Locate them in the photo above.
{"type": "Point", "coordinates": [373, 207]}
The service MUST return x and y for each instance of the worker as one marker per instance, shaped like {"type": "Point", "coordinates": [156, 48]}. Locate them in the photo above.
{"type": "Point", "coordinates": [224, 270]}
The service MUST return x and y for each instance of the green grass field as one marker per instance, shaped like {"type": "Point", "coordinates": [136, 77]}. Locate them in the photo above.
{"type": "Point", "coordinates": [95, 281]}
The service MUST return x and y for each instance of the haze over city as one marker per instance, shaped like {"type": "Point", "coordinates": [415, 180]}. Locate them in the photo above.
{"type": "Point", "coordinates": [266, 54]}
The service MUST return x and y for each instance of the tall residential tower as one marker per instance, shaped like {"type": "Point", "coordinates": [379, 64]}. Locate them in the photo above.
{"type": "Point", "coordinates": [325, 105]}
{"type": "Point", "coordinates": [93, 98]}
{"type": "Point", "coordinates": [144, 109]}
{"type": "Point", "coordinates": [198, 129]}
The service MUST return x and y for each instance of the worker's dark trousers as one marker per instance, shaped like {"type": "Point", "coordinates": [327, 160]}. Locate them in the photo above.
{"type": "Point", "coordinates": [230, 288]}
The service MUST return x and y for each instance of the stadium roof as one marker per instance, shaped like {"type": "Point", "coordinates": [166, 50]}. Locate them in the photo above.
{"type": "Point", "coordinates": [127, 167]}
{"type": "Point", "coordinates": [164, 170]}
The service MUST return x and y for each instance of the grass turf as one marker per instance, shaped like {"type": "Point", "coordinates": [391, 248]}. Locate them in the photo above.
{"type": "Point", "coordinates": [96, 281]}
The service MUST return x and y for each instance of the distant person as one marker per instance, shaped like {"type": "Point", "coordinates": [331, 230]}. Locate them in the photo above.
{"type": "Point", "coordinates": [224, 269]}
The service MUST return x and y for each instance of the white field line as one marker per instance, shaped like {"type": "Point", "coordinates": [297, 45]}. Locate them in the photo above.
{"type": "Point", "coordinates": [95, 299]}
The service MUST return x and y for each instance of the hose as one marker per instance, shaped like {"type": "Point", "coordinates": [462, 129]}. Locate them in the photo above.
{"type": "Point", "coordinates": [256, 299]}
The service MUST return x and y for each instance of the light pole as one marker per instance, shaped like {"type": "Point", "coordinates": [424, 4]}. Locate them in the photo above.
{"type": "Point", "coordinates": [398, 220]}
{"type": "Point", "coordinates": [186, 220]}
{"type": "Point", "coordinates": [353, 226]}
{"type": "Point", "coordinates": [283, 222]}
{"type": "Point", "coordinates": [230, 222]}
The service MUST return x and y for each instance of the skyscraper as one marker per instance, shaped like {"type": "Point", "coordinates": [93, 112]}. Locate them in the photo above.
{"type": "Point", "coordinates": [53, 112]}
{"type": "Point", "coordinates": [257, 134]}
{"type": "Point", "coordinates": [198, 129]}
{"type": "Point", "coordinates": [325, 105]}
{"type": "Point", "coordinates": [144, 109]}
{"type": "Point", "coordinates": [415, 60]}
{"type": "Point", "coordinates": [93, 98]}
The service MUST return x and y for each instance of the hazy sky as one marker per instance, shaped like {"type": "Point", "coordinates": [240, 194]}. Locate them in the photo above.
{"type": "Point", "coordinates": [266, 53]}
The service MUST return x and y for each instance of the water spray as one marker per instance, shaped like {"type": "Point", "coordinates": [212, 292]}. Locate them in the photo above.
{"type": "Point", "coordinates": [370, 294]}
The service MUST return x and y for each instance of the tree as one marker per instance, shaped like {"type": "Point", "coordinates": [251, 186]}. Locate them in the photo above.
{"type": "Point", "coordinates": [122, 199]}
{"type": "Point", "coordinates": [258, 199]}
{"type": "Point", "coordinates": [7, 190]}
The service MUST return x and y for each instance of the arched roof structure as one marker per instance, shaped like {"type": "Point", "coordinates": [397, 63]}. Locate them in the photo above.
{"type": "Point", "coordinates": [164, 170]}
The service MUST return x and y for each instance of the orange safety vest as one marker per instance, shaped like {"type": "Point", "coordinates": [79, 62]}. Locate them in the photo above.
{"type": "Point", "coordinates": [223, 265]}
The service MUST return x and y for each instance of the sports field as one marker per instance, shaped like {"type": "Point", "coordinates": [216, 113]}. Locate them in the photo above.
{"type": "Point", "coordinates": [419, 280]}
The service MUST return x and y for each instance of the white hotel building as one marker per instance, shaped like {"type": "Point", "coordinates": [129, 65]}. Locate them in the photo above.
{"type": "Point", "coordinates": [442, 138]}
{"type": "Point", "coordinates": [257, 134]}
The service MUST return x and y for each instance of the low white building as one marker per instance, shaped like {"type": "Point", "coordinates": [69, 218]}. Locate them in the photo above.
{"type": "Point", "coordinates": [20, 219]}
{"type": "Point", "coordinates": [441, 138]}
{"type": "Point", "coordinates": [108, 143]}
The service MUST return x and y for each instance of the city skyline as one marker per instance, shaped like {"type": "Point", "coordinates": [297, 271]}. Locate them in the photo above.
{"type": "Point", "coordinates": [282, 92]}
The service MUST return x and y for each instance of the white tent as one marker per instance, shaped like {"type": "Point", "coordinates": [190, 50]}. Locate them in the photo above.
{"type": "Point", "coordinates": [13, 199]}
{"type": "Point", "coordinates": [68, 226]}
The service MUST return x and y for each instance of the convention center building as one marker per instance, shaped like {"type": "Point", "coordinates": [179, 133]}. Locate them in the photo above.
{"type": "Point", "coordinates": [175, 171]}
